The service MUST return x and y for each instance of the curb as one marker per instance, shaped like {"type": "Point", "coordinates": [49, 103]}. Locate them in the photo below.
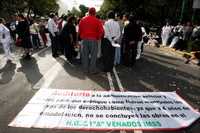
{"type": "Point", "coordinates": [177, 52]}
{"type": "Point", "coordinates": [183, 54]}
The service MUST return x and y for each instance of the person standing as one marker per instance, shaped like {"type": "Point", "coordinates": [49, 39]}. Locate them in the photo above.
{"type": "Point", "coordinates": [12, 27]}
{"type": "Point", "coordinates": [177, 31]}
{"type": "Point", "coordinates": [68, 38]}
{"type": "Point", "coordinates": [132, 34]}
{"type": "Point", "coordinates": [5, 39]}
{"type": "Point", "coordinates": [166, 33]}
{"type": "Point", "coordinates": [42, 32]}
{"type": "Point", "coordinates": [23, 32]}
{"type": "Point", "coordinates": [112, 33]}
{"type": "Point", "coordinates": [141, 43]}
{"type": "Point", "coordinates": [118, 49]}
{"type": "Point", "coordinates": [187, 34]}
{"type": "Point", "coordinates": [53, 30]}
{"type": "Point", "coordinates": [90, 30]}
{"type": "Point", "coordinates": [34, 31]}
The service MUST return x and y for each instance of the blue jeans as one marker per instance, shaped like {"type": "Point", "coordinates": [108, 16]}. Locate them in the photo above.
{"type": "Point", "coordinates": [117, 56]}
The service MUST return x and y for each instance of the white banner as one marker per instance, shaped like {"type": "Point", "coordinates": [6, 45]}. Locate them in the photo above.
{"type": "Point", "coordinates": [99, 110]}
{"type": "Point", "coordinates": [196, 4]}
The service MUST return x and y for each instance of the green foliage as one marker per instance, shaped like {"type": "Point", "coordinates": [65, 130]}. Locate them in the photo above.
{"type": "Point", "coordinates": [36, 7]}
{"type": "Point", "coordinates": [83, 9]}
{"type": "Point", "coordinates": [75, 12]}
{"type": "Point", "coordinates": [42, 7]}
{"type": "Point", "coordinates": [154, 11]}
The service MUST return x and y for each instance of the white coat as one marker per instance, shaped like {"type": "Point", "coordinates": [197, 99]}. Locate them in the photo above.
{"type": "Point", "coordinates": [5, 40]}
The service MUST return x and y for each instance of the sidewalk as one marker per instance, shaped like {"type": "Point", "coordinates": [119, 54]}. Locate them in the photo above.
{"type": "Point", "coordinates": [182, 54]}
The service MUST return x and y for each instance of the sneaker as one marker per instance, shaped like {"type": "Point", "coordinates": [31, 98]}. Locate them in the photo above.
{"type": "Point", "coordinates": [137, 57]}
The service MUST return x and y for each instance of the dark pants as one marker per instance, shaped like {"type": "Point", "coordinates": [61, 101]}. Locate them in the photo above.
{"type": "Point", "coordinates": [130, 54]}
{"type": "Point", "coordinates": [69, 51]}
{"type": "Point", "coordinates": [54, 41]}
{"type": "Point", "coordinates": [44, 37]}
{"type": "Point", "coordinates": [108, 55]}
{"type": "Point", "coordinates": [90, 48]}
{"type": "Point", "coordinates": [35, 41]}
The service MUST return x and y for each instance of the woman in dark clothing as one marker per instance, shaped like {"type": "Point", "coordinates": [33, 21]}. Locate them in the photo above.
{"type": "Point", "coordinates": [132, 34]}
{"type": "Point", "coordinates": [23, 32]}
{"type": "Point", "coordinates": [68, 38]}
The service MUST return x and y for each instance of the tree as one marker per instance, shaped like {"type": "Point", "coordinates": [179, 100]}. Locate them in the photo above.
{"type": "Point", "coordinates": [42, 7]}
{"type": "Point", "coordinates": [83, 9]}
{"type": "Point", "coordinates": [154, 11]}
{"type": "Point", "coordinates": [39, 7]}
{"type": "Point", "coordinates": [75, 12]}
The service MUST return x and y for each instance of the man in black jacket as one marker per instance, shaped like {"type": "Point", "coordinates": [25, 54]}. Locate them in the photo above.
{"type": "Point", "coordinates": [132, 34]}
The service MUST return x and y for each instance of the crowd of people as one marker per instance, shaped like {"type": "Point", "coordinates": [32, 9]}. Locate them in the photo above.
{"type": "Point", "coordinates": [178, 36]}
{"type": "Point", "coordinates": [113, 41]}
{"type": "Point", "coordinates": [117, 40]}
{"type": "Point", "coordinates": [24, 33]}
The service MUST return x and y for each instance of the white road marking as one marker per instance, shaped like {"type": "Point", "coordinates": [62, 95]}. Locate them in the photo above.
{"type": "Point", "coordinates": [118, 80]}
{"type": "Point", "coordinates": [121, 89]}
{"type": "Point", "coordinates": [110, 82]}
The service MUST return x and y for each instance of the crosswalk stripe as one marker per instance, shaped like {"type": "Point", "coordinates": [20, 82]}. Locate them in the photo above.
{"type": "Point", "coordinates": [110, 82]}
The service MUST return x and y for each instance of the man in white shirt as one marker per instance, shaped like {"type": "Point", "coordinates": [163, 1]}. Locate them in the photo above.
{"type": "Point", "coordinates": [166, 33]}
{"type": "Point", "coordinates": [112, 33]}
{"type": "Point", "coordinates": [5, 39]}
{"type": "Point", "coordinates": [53, 30]}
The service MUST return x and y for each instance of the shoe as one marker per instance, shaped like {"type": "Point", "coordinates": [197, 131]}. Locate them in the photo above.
{"type": "Point", "coordinates": [27, 57]}
{"type": "Point", "coordinates": [55, 55]}
{"type": "Point", "coordinates": [138, 57]}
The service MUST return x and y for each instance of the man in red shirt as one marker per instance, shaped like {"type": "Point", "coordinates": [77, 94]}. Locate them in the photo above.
{"type": "Point", "coordinates": [90, 31]}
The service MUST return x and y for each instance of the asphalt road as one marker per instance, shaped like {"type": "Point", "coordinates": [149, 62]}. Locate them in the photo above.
{"type": "Point", "coordinates": [155, 71]}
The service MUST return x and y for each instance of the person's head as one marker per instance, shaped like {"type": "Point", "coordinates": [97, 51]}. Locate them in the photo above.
{"type": "Point", "coordinates": [53, 16]}
{"type": "Point", "coordinates": [92, 11]}
{"type": "Point", "coordinates": [118, 16]}
{"type": "Point", "coordinates": [62, 16]}
{"type": "Point", "coordinates": [125, 17]}
{"type": "Point", "coordinates": [65, 17]}
{"type": "Point", "coordinates": [111, 15]}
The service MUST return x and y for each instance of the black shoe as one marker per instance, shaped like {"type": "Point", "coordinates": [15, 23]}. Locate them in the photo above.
{"type": "Point", "coordinates": [27, 57]}
{"type": "Point", "coordinates": [55, 55]}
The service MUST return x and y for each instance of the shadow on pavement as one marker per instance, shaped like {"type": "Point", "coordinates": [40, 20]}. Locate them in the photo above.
{"type": "Point", "coordinates": [7, 72]}
{"type": "Point", "coordinates": [152, 76]}
{"type": "Point", "coordinates": [74, 69]}
{"type": "Point", "coordinates": [31, 70]}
